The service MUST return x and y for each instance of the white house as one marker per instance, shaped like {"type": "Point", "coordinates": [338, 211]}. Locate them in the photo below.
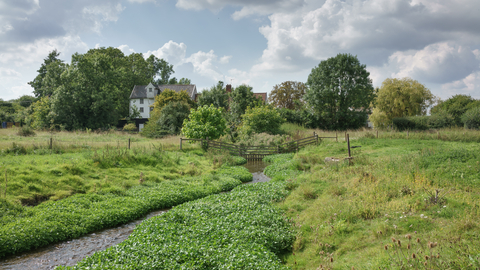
{"type": "Point", "coordinates": [143, 97]}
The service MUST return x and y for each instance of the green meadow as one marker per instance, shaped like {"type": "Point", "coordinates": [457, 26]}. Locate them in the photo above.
{"type": "Point", "coordinates": [405, 201]}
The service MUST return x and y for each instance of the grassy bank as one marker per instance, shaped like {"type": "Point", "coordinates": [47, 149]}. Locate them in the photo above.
{"type": "Point", "coordinates": [399, 197]}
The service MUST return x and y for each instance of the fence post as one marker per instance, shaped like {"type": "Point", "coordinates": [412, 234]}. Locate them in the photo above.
{"type": "Point", "coordinates": [336, 136]}
{"type": "Point", "coordinates": [5, 194]}
{"type": "Point", "coordinates": [348, 143]}
{"type": "Point", "coordinates": [51, 143]}
{"type": "Point", "coordinates": [180, 143]}
{"type": "Point", "coordinates": [129, 144]}
{"type": "Point", "coordinates": [316, 139]}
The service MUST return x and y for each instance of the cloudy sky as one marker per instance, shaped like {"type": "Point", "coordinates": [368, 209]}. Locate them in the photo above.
{"type": "Point", "coordinates": [257, 42]}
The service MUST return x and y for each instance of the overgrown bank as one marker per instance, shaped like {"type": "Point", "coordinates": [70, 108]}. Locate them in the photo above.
{"type": "Point", "coordinates": [347, 215]}
{"type": "Point", "coordinates": [25, 228]}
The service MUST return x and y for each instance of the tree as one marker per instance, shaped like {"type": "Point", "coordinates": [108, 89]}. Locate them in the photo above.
{"type": "Point", "coordinates": [340, 92]}
{"type": "Point", "coordinates": [25, 101]}
{"type": "Point", "coordinates": [471, 118]}
{"type": "Point", "coordinates": [48, 75]}
{"type": "Point", "coordinates": [241, 98]}
{"type": "Point", "coordinates": [217, 96]}
{"type": "Point", "coordinates": [261, 119]}
{"type": "Point", "coordinates": [168, 96]}
{"type": "Point", "coordinates": [184, 81]}
{"type": "Point", "coordinates": [203, 122]}
{"type": "Point", "coordinates": [169, 122]}
{"type": "Point", "coordinates": [400, 98]}
{"type": "Point", "coordinates": [287, 95]}
{"type": "Point", "coordinates": [455, 106]}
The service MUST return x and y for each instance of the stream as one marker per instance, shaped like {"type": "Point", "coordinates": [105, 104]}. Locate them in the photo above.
{"type": "Point", "coordinates": [70, 252]}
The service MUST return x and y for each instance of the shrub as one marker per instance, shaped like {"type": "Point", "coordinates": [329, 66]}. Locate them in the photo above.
{"type": "Point", "coordinates": [130, 127]}
{"type": "Point", "coordinates": [26, 131]}
{"type": "Point", "coordinates": [471, 118]}
{"type": "Point", "coordinates": [206, 121]}
{"type": "Point", "coordinates": [261, 119]}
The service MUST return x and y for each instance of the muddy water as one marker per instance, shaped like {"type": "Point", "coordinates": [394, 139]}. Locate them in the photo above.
{"type": "Point", "coordinates": [70, 252]}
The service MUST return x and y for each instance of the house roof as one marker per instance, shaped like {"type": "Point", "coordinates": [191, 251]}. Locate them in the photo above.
{"type": "Point", "coordinates": [140, 91]}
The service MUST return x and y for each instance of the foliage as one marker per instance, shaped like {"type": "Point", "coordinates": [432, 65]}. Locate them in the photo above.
{"type": "Point", "coordinates": [456, 106]}
{"type": "Point", "coordinates": [241, 98]}
{"type": "Point", "coordinates": [169, 122]}
{"type": "Point", "coordinates": [41, 117]}
{"type": "Point", "coordinates": [340, 91]}
{"type": "Point", "coordinates": [216, 95]}
{"type": "Point", "coordinates": [436, 121]}
{"type": "Point", "coordinates": [130, 127]}
{"type": "Point", "coordinates": [77, 215]}
{"type": "Point", "coordinates": [26, 131]}
{"type": "Point", "coordinates": [471, 118]}
{"type": "Point", "coordinates": [168, 96]}
{"type": "Point", "coordinates": [301, 117]}
{"type": "Point", "coordinates": [400, 98]}
{"type": "Point", "coordinates": [238, 230]}
{"type": "Point", "coordinates": [261, 119]}
{"type": "Point", "coordinates": [203, 122]}
{"type": "Point", "coordinates": [93, 90]}
{"type": "Point", "coordinates": [240, 173]}
{"type": "Point", "coordinates": [288, 95]}
{"type": "Point", "coordinates": [48, 75]}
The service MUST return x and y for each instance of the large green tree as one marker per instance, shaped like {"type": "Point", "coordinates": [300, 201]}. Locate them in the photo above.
{"type": "Point", "coordinates": [216, 95]}
{"type": "Point", "coordinates": [400, 98]}
{"type": "Point", "coordinates": [288, 94]}
{"type": "Point", "coordinates": [340, 91]}
{"type": "Point", "coordinates": [48, 77]}
{"type": "Point", "coordinates": [456, 106]}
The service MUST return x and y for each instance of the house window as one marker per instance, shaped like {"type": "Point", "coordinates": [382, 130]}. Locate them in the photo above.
{"type": "Point", "coordinates": [141, 109]}
{"type": "Point", "coordinates": [149, 89]}
{"type": "Point", "coordinates": [141, 101]}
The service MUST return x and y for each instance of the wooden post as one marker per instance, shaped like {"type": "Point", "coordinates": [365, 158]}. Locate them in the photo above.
{"type": "Point", "coordinates": [5, 194]}
{"type": "Point", "coordinates": [348, 143]}
{"type": "Point", "coordinates": [180, 143]}
{"type": "Point", "coordinates": [336, 136]}
{"type": "Point", "coordinates": [51, 143]}
{"type": "Point", "coordinates": [129, 144]}
{"type": "Point", "coordinates": [316, 139]}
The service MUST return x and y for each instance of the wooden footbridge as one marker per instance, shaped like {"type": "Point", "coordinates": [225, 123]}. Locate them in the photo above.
{"type": "Point", "coordinates": [258, 152]}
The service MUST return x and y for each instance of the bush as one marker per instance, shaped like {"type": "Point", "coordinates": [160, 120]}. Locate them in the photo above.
{"type": "Point", "coordinates": [26, 131]}
{"type": "Point", "coordinates": [471, 118]}
{"type": "Point", "coordinates": [261, 119]}
{"type": "Point", "coordinates": [206, 121]}
{"type": "Point", "coordinates": [130, 127]}
{"type": "Point", "coordinates": [436, 121]}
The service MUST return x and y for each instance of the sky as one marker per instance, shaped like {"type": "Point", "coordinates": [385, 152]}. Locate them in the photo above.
{"type": "Point", "coordinates": [256, 42]}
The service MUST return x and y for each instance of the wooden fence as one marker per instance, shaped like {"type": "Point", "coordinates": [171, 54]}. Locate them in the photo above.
{"type": "Point", "coordinates": [257, 152]}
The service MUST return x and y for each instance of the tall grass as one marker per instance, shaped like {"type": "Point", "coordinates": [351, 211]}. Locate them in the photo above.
{"type": "Point", "coordinates": [345, 213]}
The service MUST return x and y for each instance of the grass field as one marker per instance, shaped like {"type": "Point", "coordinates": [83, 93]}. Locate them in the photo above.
{"type": "Point", "coordinates": [370, 213]}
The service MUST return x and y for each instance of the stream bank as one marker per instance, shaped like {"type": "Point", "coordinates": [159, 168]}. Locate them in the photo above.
{"type": "Point", "coordinates": [68, 253]}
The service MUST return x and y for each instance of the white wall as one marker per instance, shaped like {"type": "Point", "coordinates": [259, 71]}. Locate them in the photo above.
{"type": "Point", "coordinates": [146, 106]}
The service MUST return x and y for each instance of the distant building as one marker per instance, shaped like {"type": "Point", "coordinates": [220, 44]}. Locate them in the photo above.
{"type": "Point", "coordinates": [143, 97]}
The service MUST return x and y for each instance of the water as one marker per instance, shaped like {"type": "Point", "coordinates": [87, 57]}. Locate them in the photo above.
{"type": "Point", "coordinates": [70, 252]}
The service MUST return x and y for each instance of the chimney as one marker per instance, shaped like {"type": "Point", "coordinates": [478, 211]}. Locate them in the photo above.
{"type": "Point", "coordinates": [229, 88]}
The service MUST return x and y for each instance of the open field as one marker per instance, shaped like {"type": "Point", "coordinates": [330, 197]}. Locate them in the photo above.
{"type": "Point", "coordinates": [347, 215]}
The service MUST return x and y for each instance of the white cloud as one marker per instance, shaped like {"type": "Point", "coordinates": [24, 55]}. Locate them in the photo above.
{"type": "Point", "coordinates": [126, 49]}
{"type": "Point", "coordinates": [248, 8]}
{"type": "Point", "coordinates": [469, 85]}
{"type": "Point", "coordinates": [174, 53]}
{"type": "Point", "coordinates": [141, 1]}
